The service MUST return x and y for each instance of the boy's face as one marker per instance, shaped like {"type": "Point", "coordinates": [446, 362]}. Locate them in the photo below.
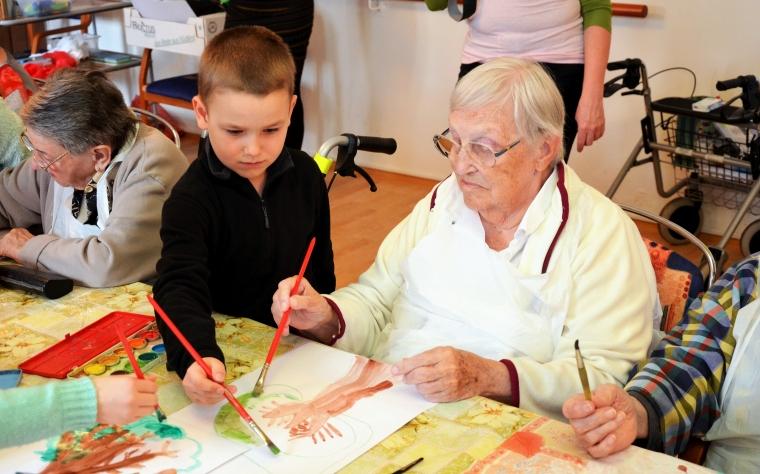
{"type": "Point", "coordinates": [246, 131]}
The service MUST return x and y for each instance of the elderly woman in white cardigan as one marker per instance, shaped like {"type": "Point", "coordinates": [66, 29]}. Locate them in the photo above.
{"type": "Point", "coordinates": [485, 286]}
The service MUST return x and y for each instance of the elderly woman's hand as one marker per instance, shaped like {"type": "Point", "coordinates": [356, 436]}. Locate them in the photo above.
{"type": "Point", "coordinates": [12, 243]}
{"type": "Point", "coordinates": [446, 374]}
{"type": "Point", "coordinates": [309, 313]}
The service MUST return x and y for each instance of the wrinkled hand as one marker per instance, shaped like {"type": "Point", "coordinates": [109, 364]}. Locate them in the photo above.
{"type": "Point", "coordinates": [202, 390]}
{"type": "Point", "coordinates": [12, 243]}
{"type": "Point", "coordinates": [446, 374]}
{"type": "Point", "coordinates": [609, 423]}
{"type": "Point", "coordinates": [123, 399]}
{"type": "Point", "coordinates": [309, 310]}
{"type": "Point", "coordinates": [590, 118]}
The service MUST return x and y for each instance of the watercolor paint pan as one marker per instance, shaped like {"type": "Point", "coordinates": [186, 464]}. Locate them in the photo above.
{"type": "Point", "coordinates": [77, 349]}
{"type": "Point", "coordinates": [147, 346]}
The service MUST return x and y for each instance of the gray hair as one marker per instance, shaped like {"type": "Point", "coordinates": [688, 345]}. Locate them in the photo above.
{"type": "Point", "coordinates": [80, 110]}
{"type": "Point", "coordinates": [537, 107]}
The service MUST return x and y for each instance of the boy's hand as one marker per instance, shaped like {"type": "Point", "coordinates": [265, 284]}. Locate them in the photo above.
{"type": "Point", "coordinates": [202, 390]}
{"type": "Point", "coordinates": [309, 310]}
{"type": "Point", "coordinates": [609, 423]}
{"type": "Point", "coordinates": [123, 399]}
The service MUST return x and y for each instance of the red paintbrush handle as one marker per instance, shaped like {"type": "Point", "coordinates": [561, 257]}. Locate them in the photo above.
{"type": "Point", "coordinates": [286, 314]}
{"type": "Point", "coordinates": [202, 363]}
{"type": "Point", "coordinates": [130, 355]}
{"type": "Point", "coordinates": [188, 347]}
{"type": "Point", "coordinates": [237, 406]}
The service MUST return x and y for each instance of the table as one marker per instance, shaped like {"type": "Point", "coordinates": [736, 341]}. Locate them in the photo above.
{"type": "Point", "coordinates": [474, 435]}
{"type": "Point", "coordinates": [79, 8]}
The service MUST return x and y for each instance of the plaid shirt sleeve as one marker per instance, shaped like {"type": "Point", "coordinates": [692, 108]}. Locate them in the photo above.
{"type": "Point", "coordinates": [682, 379]}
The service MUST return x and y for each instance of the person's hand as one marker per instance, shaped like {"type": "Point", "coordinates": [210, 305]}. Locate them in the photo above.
{"type": "Point", "coordinates": [12, 243]}
{"type": "Point", "coordinates": [309, 310]}
{"type": "Point", "coordinates": [609, 423]}
{"type": "Point", "coordinates": [202, 390]}
{"type": "Point", "coordinates": [446, 374]}
{"type": "Point", "coordinates": [590, 118]}
{"type": "Point", "coordinates": [123, 399]}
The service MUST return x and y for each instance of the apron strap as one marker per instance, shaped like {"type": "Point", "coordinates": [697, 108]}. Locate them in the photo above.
{"type": "Point", "coordinates": [565, 214]}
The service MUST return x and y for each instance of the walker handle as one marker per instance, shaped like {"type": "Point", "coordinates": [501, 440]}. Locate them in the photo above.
{"type": "Point", "coordinates": [624, 64]}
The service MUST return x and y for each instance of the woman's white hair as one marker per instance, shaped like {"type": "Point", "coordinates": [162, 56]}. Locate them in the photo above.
{"type": "Point", "coordinates": [520, 85]}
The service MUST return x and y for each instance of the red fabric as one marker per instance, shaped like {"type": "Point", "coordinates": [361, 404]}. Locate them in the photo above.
{"type": "Point", "coordinates": [10, 81]}
{"type": "Point", "coordinates": [672, 285]}
{"type": "Point", "coordinates": [58, 60]}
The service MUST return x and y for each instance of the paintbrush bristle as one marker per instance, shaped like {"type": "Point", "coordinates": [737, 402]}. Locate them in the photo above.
{"type": "Point", "coordinates": [273, 448]}
{"type": "Point", "coordinates": [576, 345]}
{"type": "Point", "coordinates": [160, 415]}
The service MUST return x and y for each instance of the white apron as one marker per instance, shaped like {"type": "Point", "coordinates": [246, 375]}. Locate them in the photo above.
{"type": "Point", "coordinates": [65, 225]}
{"type": "Point", "coordinates": [735, 436]}
{"type": "Point", "coordinates": [459, 292]}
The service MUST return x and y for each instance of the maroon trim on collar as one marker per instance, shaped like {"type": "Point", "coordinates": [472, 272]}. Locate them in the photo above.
{"type": "Point", "coordinates": [565, 214]}
{"type": "Point", "coordinates": [341, 322]}
{"type": "Point", "coordinates": [435, 194]}
{"type": "Point", "coordinates": [514, 383]}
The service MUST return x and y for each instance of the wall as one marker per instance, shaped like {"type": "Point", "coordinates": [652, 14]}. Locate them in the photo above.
{"type": "Point", "coordinates": [389, 72]}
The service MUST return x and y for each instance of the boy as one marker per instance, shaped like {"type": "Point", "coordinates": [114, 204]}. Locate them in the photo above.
{"type": "Point", "coordinates": [241, 218]}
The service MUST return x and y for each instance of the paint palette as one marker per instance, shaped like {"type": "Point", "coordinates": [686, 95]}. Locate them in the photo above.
{"type": "Point", "coordinates": [147, 346]}
{"type": "Point", "coordinates": [92, 343]}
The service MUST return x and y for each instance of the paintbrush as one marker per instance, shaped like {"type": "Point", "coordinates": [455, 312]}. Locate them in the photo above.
{"type": "Point", "coordinates": [227, 392]}
{"type": "Point", "coordinates": [582, 372]}
{"type": "Point", "coordinates": [258, 389]}
{"type": "Point", "coordinates": [136, 367]}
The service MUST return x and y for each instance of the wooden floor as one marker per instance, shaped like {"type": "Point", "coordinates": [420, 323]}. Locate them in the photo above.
{"type": "Point", "coordinates": [361, 219]}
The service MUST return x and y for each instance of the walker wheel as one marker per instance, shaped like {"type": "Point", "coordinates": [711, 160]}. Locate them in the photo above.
{"type": "Point", "coordinates": [750, 241]}
{"type": "Point", "coordinates": [684, 212]}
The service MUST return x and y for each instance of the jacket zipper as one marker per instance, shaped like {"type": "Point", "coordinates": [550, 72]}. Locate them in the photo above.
{"type": "Point", "coordinates": [266, 214]}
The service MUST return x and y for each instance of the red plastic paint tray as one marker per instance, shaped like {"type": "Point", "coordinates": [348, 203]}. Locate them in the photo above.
{"type": "Point", "coordinates": [89, 342]}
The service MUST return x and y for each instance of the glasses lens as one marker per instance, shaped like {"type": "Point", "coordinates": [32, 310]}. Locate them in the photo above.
{"type": "Point", "coordinates": [27, 143]}
{"type": "Point", "coordinates": [481, 153]}
{"type": "Point", "coordinates": [445, 145]}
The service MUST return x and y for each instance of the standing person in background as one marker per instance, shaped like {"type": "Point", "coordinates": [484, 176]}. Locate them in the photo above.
{"type": "Point", "coordinates": [292, 20]}
{"type": "Point", "coordinates": [570, 38]}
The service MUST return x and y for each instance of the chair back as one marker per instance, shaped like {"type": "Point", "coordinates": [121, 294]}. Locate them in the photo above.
{"type": "Point", "coordinates": [158, 122]}
{"type": "Point", "coordinates": [678, 279]}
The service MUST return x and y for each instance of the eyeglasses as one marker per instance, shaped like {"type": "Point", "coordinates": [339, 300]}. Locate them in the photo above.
{"type": "Point", "coordinates": [482, 154]}
{"type": "Point", "coordinates": [38, 156]}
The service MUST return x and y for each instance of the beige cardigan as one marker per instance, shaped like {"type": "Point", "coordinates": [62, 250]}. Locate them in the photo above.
{"type": "Point", "coordinates": [128, 247]}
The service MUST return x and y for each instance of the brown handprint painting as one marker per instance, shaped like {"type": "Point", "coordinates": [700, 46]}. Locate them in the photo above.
{"type": "Point", "coordinates": [311, 418]}
{"type": "Point", "coordinates": [283, 407]}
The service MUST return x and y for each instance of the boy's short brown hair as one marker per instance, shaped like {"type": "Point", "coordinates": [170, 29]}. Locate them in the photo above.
{"type": "Point", "coordinates": [250, 59]}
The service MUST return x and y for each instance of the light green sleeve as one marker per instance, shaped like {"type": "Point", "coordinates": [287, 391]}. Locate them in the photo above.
{"type": "Point", "coordinates": [11, 153]}
{"type": "Point", "coordinates": [597, 13]}
{"type": "Point", "coordinates": [32, 413]}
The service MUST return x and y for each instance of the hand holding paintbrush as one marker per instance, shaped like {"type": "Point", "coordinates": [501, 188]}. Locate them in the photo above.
{"type": "Point", "coordinates": [259, 387]}
{"type": "Point", "coordinates": [136, 367]}
{"type": "Point", "coordinates": [249, 422]}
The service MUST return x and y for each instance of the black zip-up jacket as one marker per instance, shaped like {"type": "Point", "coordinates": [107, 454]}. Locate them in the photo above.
{"type": "Point", "coordinates": [225, 248]}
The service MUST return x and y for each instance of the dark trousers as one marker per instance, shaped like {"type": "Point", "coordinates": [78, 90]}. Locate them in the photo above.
{"type": "Point", "coordinates": [293, 21]}
{"type": "Point", "coordinates": [569, 80]}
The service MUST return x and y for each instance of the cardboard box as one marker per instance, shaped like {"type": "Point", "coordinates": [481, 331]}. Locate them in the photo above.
{"type": "Point", "coordinates": [184, 38]}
